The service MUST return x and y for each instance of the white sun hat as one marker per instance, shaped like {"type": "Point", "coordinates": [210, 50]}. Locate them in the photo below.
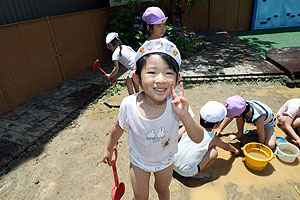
{"type": "Point", "coordinates": [160, 45]}
{"type": "Point", "coordinates": [213, 111]}
{"type": "Point", "coordinates": [111, 36]}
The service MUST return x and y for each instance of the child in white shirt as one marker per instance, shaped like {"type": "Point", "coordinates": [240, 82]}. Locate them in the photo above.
{"type": "Point", "coordinates": [152, 119]}
{"type": "Point", "coordinates": [192, 159]}
{"type": "Point", "coordinates": [289, 119]}
{"type": "Point", "coordinates": [126, 56]}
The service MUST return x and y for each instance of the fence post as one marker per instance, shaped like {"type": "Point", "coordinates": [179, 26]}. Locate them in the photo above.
{"type": "Point", "coordinates": [57, 54]}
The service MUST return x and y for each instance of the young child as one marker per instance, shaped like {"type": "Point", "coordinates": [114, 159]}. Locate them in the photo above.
{"type": "Point", "coordinates": [255, 112]}
{"type": "Point", "coordinates": [289, 119]}
{"type": "Point", "coordinates": [151, 118]}
{"type": "Point", "coordinates": [154, 22]}
{"type": "Point", "coordinates": [126, 56]}
{"type": "Point", "coordinates": [193, 159]}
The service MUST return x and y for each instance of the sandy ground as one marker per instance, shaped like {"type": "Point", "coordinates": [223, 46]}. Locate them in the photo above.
{"type": "Point", "coordinates": [65, 164]}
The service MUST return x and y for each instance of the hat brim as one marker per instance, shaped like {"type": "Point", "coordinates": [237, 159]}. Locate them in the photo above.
{"type": "Point", "coordinates": [160, 21]}
{"type": "Point", "coordinates": [232, 116]}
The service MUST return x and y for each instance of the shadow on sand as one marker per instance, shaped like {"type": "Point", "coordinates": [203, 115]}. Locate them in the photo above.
{"type": "Point", "coordinates": [219, 168]}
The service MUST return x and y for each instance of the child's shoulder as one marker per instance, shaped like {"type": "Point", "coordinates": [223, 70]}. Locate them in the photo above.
{"type": "Point", "coordinates": [130, 98]}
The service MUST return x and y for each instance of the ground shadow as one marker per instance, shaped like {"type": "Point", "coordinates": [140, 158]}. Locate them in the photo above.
{"type": "Point", "coordinates": [251, 38]}
{"type": "Point", "coordinates": [266, 31]}
{"type": "Point", "coordinates": [219, 168]}
{"type": "Point", "coordinates": [45, 115]}
{"type": "Point", "coordinates": [221, 51]}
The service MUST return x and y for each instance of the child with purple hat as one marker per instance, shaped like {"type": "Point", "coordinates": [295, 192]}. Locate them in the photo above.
{"type": "Point", "coordinates": [154, 22]}
{"type": "Point", "coordinates": [254, 112]}
{"type": "Point", "coordinates": [152, 117]}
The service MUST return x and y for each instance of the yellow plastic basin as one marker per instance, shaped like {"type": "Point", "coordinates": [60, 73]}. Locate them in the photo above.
{"type": "Point", "coordinates": [259, 162]}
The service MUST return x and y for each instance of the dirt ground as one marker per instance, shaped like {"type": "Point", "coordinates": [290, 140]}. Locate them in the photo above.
{"type": "Point", "coordinates": [65, 164]}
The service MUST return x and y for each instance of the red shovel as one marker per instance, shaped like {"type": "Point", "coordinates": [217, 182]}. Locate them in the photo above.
{"type": "Point", "coordinates": [119, 188]}
{"type": "Point", "coordinates": [96, 66]}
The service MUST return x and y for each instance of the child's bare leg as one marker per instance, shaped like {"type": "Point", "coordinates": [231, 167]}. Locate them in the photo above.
{"type": "Point", "coordinates": [296, 127]}
{"type": "Point", "coordinates": [129, 86]}
{"type": "Point", "coordinates": [162, 181]}
{"type": "Point", "coordinates": [208, 159]}
{"type": "Point", "coordinates": [140, 182]}
{"type": "Point", "coordinates": [270, 137]}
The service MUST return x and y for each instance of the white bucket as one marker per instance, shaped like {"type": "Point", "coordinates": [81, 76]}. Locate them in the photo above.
{"type": "Point", "coordinates": [287, 152]}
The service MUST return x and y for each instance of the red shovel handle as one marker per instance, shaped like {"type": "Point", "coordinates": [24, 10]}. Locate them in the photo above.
{"type": "Point", "coordinates": [96, 66]}
{"type": "Point", "coordinates": [113, 164]}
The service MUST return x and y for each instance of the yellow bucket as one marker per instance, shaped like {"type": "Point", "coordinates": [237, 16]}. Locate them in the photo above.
{"type": "Point", "coordinates": [263, 155]}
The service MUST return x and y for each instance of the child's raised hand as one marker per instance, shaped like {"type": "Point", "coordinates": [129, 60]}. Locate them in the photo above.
{"type": "Point", "coordinates": [179, 104]}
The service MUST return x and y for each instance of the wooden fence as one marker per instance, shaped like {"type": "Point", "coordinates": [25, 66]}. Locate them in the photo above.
{"type": "Point", "coordinates": [37, 55]}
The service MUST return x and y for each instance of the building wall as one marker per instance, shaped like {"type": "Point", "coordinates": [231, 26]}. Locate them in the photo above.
{"type": "Point", "coordinates": [14, 11]}
{"type": "Point", "coordinates": [37, 55]}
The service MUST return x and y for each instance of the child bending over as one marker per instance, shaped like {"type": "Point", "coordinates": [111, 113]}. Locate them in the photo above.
{"type": "Point", "coordinates": [193, 159]}
{"type": "Point", "coordinates": [289, 119]}
{"type": "Point", "coordinates": [254, 112]}
{"type": "Point", "coordinates": [126, 56]}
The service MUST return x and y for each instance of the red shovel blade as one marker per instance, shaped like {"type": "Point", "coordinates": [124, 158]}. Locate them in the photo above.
{"type": "Point", "coordinates": [118, 191]}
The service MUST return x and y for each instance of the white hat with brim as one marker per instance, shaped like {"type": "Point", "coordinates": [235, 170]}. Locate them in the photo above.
{"type": "Point", "coordinates": [160, 45]}
{"type": "Point", "coordinates": [213, 112]}
{"type": "Point", "coordinates": [111, 36]}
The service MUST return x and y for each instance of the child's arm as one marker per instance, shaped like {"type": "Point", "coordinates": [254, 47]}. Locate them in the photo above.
{"type": "Point", "coordinates": [223, 125]}
{"type": "Point", "coordinates": [116, 133]}
{"type": "Point", "coordinates": [240, 126]}
{"type": "Point", "coordinates": [226, 146]}
{"type": "Point", "coordinates": [181, 131]}
{"type": "Point", "coordinates": [261, 129]}
{"type": "Point", "coordinates": [180, 106]}
{"type": "Point", "coordinates": [115, 69]}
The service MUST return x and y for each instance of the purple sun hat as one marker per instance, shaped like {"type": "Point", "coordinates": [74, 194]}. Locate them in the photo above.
{"type": "Point", "coordinates": [235, 105]}
{"type": "Point", "coordinates": [154, 15]}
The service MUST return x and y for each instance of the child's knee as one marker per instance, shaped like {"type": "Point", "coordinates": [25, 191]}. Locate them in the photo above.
{"type": "Point", "coordinates": [214, 153]}
{"type": "Point", "coordinates": [140, 195]}
{"type": "Point", "coordinates": [161, 189]}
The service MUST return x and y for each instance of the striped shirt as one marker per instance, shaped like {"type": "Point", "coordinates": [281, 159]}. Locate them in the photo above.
{"type": "Point", "coordinates": [260, 109]}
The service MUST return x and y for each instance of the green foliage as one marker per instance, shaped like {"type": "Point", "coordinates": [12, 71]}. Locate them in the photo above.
{"type": "Point", "coordinates": [128, 23]}
{"type": "Point", "coordinates": [186, 42]}
{"type": "Point", "coordinates": [114, 89]}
